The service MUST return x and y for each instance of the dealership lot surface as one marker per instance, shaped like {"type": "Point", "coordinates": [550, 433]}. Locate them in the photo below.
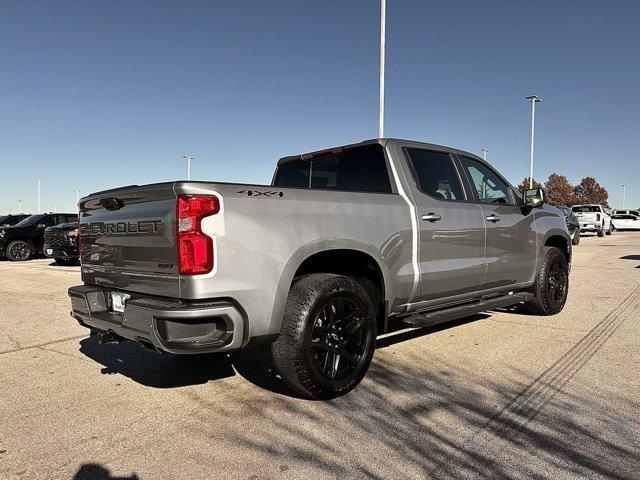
{"type": "Point", "coordinates": [498, 395]}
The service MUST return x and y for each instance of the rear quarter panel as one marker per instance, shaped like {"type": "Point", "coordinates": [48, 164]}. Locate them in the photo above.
{"type": "Point", "coordinates": [263, 234]}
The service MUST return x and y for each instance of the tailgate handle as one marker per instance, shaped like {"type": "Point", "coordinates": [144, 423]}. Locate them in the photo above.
{"type": "Point", "coordinates": [112, 203]}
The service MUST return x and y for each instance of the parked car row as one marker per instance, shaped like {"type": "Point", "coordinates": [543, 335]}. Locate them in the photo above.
{"type": "Point", "coordinates": [55, 235]}
{"type": "Point", "coordinates": [596, 218]}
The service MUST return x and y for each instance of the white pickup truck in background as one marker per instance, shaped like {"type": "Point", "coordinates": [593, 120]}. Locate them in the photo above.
{"type": "Point", "coordinates": [593, 218]}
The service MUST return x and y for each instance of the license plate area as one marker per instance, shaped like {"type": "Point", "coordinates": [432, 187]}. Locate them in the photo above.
{"type": "Point", "coordinates": [119, 301]}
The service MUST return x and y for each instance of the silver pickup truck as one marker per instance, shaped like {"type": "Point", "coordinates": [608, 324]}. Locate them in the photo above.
{"type": "Point", "coordinates": [344, 244]}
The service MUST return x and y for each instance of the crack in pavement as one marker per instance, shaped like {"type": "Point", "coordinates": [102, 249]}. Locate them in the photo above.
{"type": "Point", "coordinates": [39, 345]}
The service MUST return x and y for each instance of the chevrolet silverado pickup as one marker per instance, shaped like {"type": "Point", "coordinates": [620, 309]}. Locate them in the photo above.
{"type": "Point", "coordinates": [343, 245]}
{"type": "Point", "coordinates": [25, 239]}
{"type": "Point", "coordinates": [61, 243]}
{"type": "Point", "coordinates": [593, 218]}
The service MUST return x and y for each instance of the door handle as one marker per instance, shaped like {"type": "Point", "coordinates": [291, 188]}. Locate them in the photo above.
{"type": "Point", "coordinates": [493, 218]}
{"type": "Point", "coordinates": [431, 217]}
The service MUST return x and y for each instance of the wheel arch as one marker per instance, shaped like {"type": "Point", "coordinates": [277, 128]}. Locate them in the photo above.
{"type": "Point", "coordinates": [561, 240]}
{"type": "Point", "coordinates": [346, 257]}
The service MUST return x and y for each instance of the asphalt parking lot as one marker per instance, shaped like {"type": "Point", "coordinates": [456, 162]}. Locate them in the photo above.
{"type": "Point", "coordinates": [501, 395]}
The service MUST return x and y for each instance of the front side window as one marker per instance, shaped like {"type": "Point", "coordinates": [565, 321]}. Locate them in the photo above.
{"type": "Point", "coordinates": [436, 174]}
{"type": "Point", "coordinates": [488, 187]}
{"type": "Point", "coordinates": [356, 170]}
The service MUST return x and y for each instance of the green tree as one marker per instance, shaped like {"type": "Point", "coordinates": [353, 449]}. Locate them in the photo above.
{"type": "Point", "coordinates": [524, 184]}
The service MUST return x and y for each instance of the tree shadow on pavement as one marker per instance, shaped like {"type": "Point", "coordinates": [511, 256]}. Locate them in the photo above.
{"type": "Point", "coordinates": [94, 471]}
{"type": "Point", "coordinates": [424, 419]}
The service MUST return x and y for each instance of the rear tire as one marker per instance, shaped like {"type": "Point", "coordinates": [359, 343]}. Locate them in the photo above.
{"type": "Point", "coordinates": [19, 251]}
{"type": "Point", "coordinates": [575, 239]}
{"type": "Point", "coordinates": [601, 232]}
{"type": "Point", "coordinates": [327, 338]}
{"type": "Point", "coordinates": [552, 284]}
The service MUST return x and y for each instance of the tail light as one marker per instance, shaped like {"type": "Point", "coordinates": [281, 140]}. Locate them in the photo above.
{"type": "Point", "coordinates": [79, 244]}
{"type": "Point", "coordinates": [597, 217]}
{"type": "Point", "coordinates": [195, 248]}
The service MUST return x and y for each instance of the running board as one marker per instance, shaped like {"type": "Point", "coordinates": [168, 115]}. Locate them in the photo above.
{"type": "Point", "coordinates": [427, 319]}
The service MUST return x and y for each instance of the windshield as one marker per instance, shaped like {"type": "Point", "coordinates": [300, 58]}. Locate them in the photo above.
{"type": "Point", "coordinates": [3, 218]}
{"type": "Point", "coordinates": [30, 220]}
{"type": "Point", "coordinates": [587, 209]}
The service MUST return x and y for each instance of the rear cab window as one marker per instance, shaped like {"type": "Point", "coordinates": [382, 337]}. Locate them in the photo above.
{"type": "Point", "coordinates": [586, 209]}
{"type": "Point", "coordinates": [355, 170]}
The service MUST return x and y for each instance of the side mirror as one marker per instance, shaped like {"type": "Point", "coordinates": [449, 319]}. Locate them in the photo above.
{"type": "Point", "coordinates": [40, 225]}
{"type": "Point", "coordinates": [534, 197]}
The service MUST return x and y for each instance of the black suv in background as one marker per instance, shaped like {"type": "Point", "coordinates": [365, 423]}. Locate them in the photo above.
{"type": "Point", "coordinates": [61, 243]}
{"type": "Point", "coordinates": [8, 220]}
{"type": "Point", "coordinates": [26, 238]}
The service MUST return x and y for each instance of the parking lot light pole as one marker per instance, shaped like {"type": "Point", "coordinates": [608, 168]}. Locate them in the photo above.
{"type": "Point", "coordinates": [19, 207]}
{"type": "Point", "coordinates": [624, 196]}
{"type": "Point", "coordinates": [533, 99]}
{"type": "Point", "coordinates": [77, 199]}
{"type": "Point", "coordinates": [39, 180]}
{"type": "Point", "coordinates": [484, 153]}
{"type": "Point", "coordinates": [383, 14]}
{"type": "Point", "coordinates": [188, 158]}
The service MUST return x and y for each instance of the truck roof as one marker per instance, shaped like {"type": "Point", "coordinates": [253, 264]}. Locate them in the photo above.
{"type": "Point", "coordinates": [379, 141]}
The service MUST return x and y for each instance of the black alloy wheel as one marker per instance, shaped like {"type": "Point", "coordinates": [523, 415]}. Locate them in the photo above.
{"type": "Point", "coordinates": [557, 281]}
{"type": "Point", "coordinates": [18, 251]}
{"type": "Point", "coordinates": [336, 338]}
{"type": "Point", "coordinates": [551, 286]}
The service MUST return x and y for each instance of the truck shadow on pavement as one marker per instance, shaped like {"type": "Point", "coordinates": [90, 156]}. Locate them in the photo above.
{"type": "Point", "coordinates": [417, 416]}
{"type": "Point", "coordinates": [254, 365]}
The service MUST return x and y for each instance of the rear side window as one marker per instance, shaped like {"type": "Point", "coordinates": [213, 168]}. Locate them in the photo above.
{"type": "Point", "coordinates": [436, 174]}
{"type": "Point", "coordinates": [357, 170]}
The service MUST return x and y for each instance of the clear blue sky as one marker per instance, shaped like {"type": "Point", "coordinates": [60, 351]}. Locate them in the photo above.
{"type": "Point", "coordinates": [98, 94]}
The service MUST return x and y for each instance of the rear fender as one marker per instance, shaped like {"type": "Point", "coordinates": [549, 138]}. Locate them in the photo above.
{"type": "Point", "coordinates": [307, 251]}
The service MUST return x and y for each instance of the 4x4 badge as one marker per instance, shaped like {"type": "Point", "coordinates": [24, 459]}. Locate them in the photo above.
{"type": "Point", "coordinates": [255, 193]}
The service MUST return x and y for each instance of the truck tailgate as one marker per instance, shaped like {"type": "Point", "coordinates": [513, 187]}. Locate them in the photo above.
{"type": "Point", "coordinates": [128, 239]}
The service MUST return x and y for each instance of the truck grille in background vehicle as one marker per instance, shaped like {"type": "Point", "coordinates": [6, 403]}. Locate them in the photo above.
{"type": "Point", "coordinates": [58, 239]}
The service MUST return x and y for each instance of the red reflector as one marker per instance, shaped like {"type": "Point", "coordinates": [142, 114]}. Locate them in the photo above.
{"type": "Point", "coordinates": [195, 248]}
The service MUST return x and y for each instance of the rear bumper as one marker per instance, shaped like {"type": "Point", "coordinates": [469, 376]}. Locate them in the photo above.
{"type": "Point", "coordinates": [165, 324]}
{"type": "Point", "coordinates": [590, 226]}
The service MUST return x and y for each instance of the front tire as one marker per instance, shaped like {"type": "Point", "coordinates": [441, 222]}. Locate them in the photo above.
{"type": "Point", "coordinates": [575, 238]}
{"type": "Point", "coordinates": [552, 284]}
{"type": "Point", "coordinates": [610, 230]}
{"type": "Point", "coordinates": [19, 251]}
{"type": "Point", "coordinates": [327, 338]}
